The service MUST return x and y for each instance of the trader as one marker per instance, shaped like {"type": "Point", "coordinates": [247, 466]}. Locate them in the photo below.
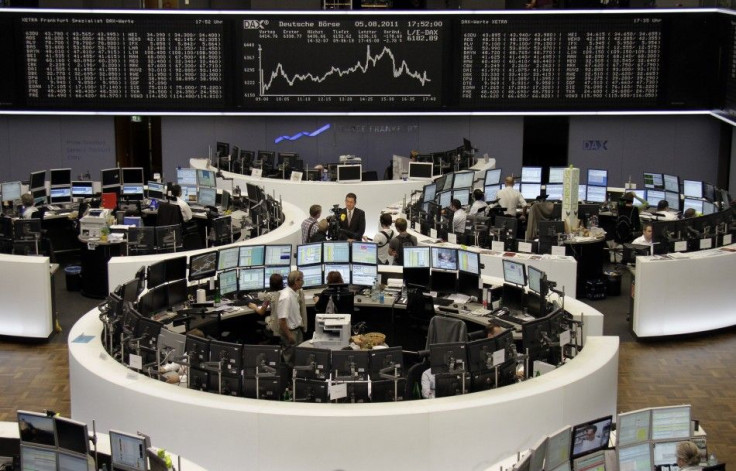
{"type": "Point", "coordinates": [479, 204]}
{"type": "Point", "coordinates": [352, 220]}
{"type": "Point", "coordinates": [383, 237]}
{"type": "Point", "coordinates": [688, 456]}
{"type": "Point", "coordinates": [291, 299]}
{"type": "Point", "coordinates": [646, 235]}
{"type": "Point", "coordinates": [458, 217]}
{"type": "Point", "coordinates": [29, 210]}
{"type": "Point", "coordinates": [404, 239]}
{"type": "Point", "coordinates": [510, 198]}
{"type": "Point", "coordinates": [186, 211]}
{"type": "Point", "coordinates": [309, 225]}
{"type": "Point", "coordinates": [271, 300]}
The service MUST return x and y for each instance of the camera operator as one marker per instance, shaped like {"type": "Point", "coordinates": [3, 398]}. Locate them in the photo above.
{"type": "Point", "coordinates": [351, 220]}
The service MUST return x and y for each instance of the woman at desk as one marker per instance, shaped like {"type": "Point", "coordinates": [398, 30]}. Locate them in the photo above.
{"type": "Point", "coordinates": [335, 285]}
{"type": "Point", "coordinates": [271, 299]}
{"type": "Point", "coordinates": [688, 456]}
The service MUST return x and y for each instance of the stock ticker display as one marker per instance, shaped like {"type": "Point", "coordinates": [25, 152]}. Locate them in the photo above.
{"type": "Point", "coordinates": [312, 62]}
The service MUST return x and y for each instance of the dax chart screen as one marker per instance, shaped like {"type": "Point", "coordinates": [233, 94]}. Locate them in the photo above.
{"type": "Point", "coordinates": [343, 62]}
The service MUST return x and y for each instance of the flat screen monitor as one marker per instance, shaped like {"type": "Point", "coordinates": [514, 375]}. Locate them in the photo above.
{"type": "Point", "coordinates": [37, 458]}
{"type": "Point", "coordinates": [633, 427]}
{"type": "Point", "coordinates": [39, 196]}
{"type": "Point", "coordinates": [277, 255]}
{"type": "Point", "coordinates": [468, 262]}
{"type": "Point", "coordinates": [671, 423]}
{"type": "Point", "coordinates": [595, 461]}
{"type": "Point", "coordinates": [156, 190]}
{"type": "Point", "coordinates": [156, 274]}
{"type": "Point", "coordinates": [342, 268]}
{"type": "Point", "coordinates": [36, 428]}
{"type": "Point", "coordinates": [128, 452]}
{"type": "Point", "coordinates": [387, 361]}
{"type": "Point", "coordinates": [251, 255]}
{"type": "Point", "coordinates": [350, 364]}
{"type": "Point", "coordinates": [664, 454]}
{"type": "Point", "coordinates": [639, 193]}
{"type": "Point", "coordinates": [222, 149]}
{"type": "Point", "coordinates": [259, 359]}
{"type": "Point", "coordinates": [492, 177]}
{"type": "Point", "coordinates": [448, 357]}
{"type": "Point", "coordinates": [654, 196]}
{"type": "Point", "coordinates": [202, 265]}
{"type": "Point", "coordinates": [708, 208]}
{"type": "Point", "coordinates": [11, 191]}
{"type": "Point", "coordinates": [653, 181]}
{"type": "Point", "coordinates": [429, 192]}
{"type": "Point", "coordinates": [72, 461]}
{"type": "Point", "coordinates": [530, 191]}
{"type": "Point", "coordinates": [349, 173]}
{"type": "Point", "coordinates": [671, 183]}
{"type": "Point", "coordinates": [251, 279]}
{"type": "Point", "coordinates": [443, 281]}
{"type": "Point", "coordinates": [312, 275]}
{"type": "Point", "coordinates": [207, 196]}
{"type": "Point", "coordinates": [538, 452]}
{"type": "Point", "coordinates": [336, 252]}
{"type": "Point", "coordinates": [417, 277]}
{"type": "Point", "coordinates": [186, 176]}
{"type": "Point", "coordinates": [189, 193]}
{"type": "Point", "coordinates": [206, 178]}
{"type": "Point", "coordinates": [462, 195]}
{"type": "Point", "coordinates": [447, 182]}
{"type": "Point", "coordinates": [591, 436]}
{"type": "Point", "coordinates": [363, 252]}
{"type": "Point", "coordinates": [132, 191]}
{"type": "Point", "coordinates": [536, 279]}
{"type": "Point", "coordinates": [60, 195]}
{"type": "Point", "coordinates": [635, 457]}
{"type": "Point", "coordinates": [445, 198]}
{"type": "Point", "coordinates": [230, 356]}
{"type": "Point", "coordinates": [551, 229]}
{"type": "Point", "coordinates": [597, 177]}
{"type": "Point", "coordinates": [420, 170]}
{"type": "Point", "coordinates": [176, 268]}
{"type": "Point", "coordinates": [318, 359]}
{"type": "Point", "coordinates": [490, 192]}
{"type": "Point", "coordinates": [176, 292]}
{"type": "Point", "coordinates": [228, 258]}
{"type": "Point", "coordinates": [82, 189]}
{"type": "Point", "coordinates": [514, 272]}
{"type": "Point", "coordinates": [673, 199]}
{"type": "Point", "coordinates": [596, 194]}
{"type": "Point", "coordinates": [554, 191]}
{"type": "Point", "coordinates": [444, 258]}
{"type": "Point", "coordinates": [558, 449]}
{"type": "Point", "coordinates": [364, 275]}
{"type": "Point", "coordinates": [463, 180]}
{"type": "Point", "coordinates": [110, 177]}
{"type": "Point", "coordinates": [133, 176]}
{"type": "Point", "coordinates": [556, 175]}
{"type": "Point", "coordinates": [308, 254]}
{"type": "Point", "coordinates": [692, 188]}
{"type": "Point", "coordinates": [696, 204]}
{"type": "Point", "coordinates": [281, 270]}
{"type": "Point", "coordinates": [709, 191]}
{"type": "Point", "coordinates": [37, 180]}
{"type": "Point", "coordinates": [582, 190]}
{"type": "Point", "coordinates": [416, 257]}
{"type": "Point", "coordinates": [531, 174]}
{"type": "Point", "coordinates": [61, 176]}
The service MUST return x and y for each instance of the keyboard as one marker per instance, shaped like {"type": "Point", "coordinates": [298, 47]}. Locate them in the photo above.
{"type": "Point", "coordinates": [506, 325]}
{"type": "Point", "coordinates": [243, 301]}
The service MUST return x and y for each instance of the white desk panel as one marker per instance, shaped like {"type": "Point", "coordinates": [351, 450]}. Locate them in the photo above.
{"type": "Point", "coordinates": [25, 296]}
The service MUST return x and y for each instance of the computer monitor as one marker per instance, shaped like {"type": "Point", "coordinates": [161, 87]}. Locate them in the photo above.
{"type": "Point", "coordinates": [696, 204]}
{"type": "Point", "coordinates": [596, 194]}
{"type": "Point", "coordinates": [480, 354]}
{"type": "Point", "coordinates": [207, 196]}
{"type": "Point", "coordinates": [186, 176]}
{"type": "Point", "coordinates": [445, 198]}
{"type": "Point", "coordinates": [468, 262]}
{"type": "Point", "coordinates": [156, 274]}
{"type": "Point", "coordinates": [709, 191]}
{"type": "Point", "coordinates": [342, 268]}
{"type": "Point", "coordinates": [37, 458]}
{"type": "Point", "coordinates": [336, 252]}
{"type": "Point", "coordinates": [312, 275]}
{"type": "Point", "coordinates": [130, 290]}
{"type": "Point", "coordinates": [206, 178]}
{"type": "Point", "coordinates": [132, 191]}
{"type": "Point", "coordinates": [349, 173]}
{"type": "Point", "coordinates": [110, 177]}
{"type": "Point", "coordinates": [537, 280]}
{"type": "Point", "coordinates": [597, 177]}
{"type": "Point", "coordinates": [189, 193]}
{"type": "Point", "coordinates": [558, 449]}
{"type": "Point", "coordinates": [673, 200]}
{"type": "Point", "coordinates": [636, 457]}
{"type": "Point", "coordinates": [451, 384]}
{"type": "Point", "coordinates": [653, 196]}
{"type": "Point", "coordinates": [72, 461]}
{"type": "Point", "coordinates": [251, 279]}
{"type": "Point", "coordinates": [198, 350]}
{"type": "Point", "coordinates": [37, 180]}
{"type": "Point", "coordinates": [417, 277]}
{"type": "Point", "coordinates": [251, 255]}
{"type": "Point", "coordinates": [171, 344]}
{"type": "Point", "coordinates": [132, 176]}
{"type": "Point", "coordinates": [316, 359]}
{"type": "Point", "coordinates": [492, 177]}
{"type": "Point", "coordinates": [362, 252]}
{"type": "Point", "coordinates": [595, 461]}
{"type": "Point", "coordinates": [278, 255]}
{"type": "Point", "coordinates": [156, 462]}
{"type": "Point", "coordinates": [228, 258]}
{"type": "Point", "coordinates": [692, 188]}
{"type": "Point", "coordinates": [506, 224]}
{"type": "Point", "coordinates": [469, 284]}
{"type": "Point", "coordinates": [202, 265]}
{"type": "Point", "coordinates": [671, 423]}
{"type": "Point", "coordinates": [364, 275]}
{"type": "Point", "coordinates": [671, 183]}
{"type": "Point", "coordinates": [448, 357]}
{"type": "Point", "coordinates": [633, 427]}
{"type": "Point", "coordinates": [228, 282]}
{"type": "Point", "coordinates": [463, 180]}
{"type": "Point", "coordinates": [530, 191]}
{"type": "Point", "coordinates": [222, 149]}
{"type": "Point", "coordinates": [420, 170]}
{"type": "Point", "coordinates": [27, 229]}
{"type": "Point", "coordinates": [61, 176]}
{"type": "Point", "coordinates": [554, 191]}
{"type": "Point", "coordinates": [462, 195]}
{"type": "Point", "coordinates": [82, 189]}
{"type": "Point", "coordinates": [128, 452]}
{"type": "Point", "coordinates": [176, 268]}
{"type": "Point", "coordinates": [514, 272]}
{"type": "Point", "coordinates": [36, 428]}
{"type": "Point", "coordinates": [147, 331]}
{"type": "Point", "coordinates": [261, 359]}
{"type": "Point", "coordinates": [443, 281]}
{"type": "Point", "coordinates": [582, 191]}
{"type": "Point", "coordinates": [387, 391]}
{"type": "Point", "coordinates": [591, 436]}
{"type": "Point", "coordinates": [387, 361]}
{"type": "Point", "coordinates": [490, 192]}
{"type": "Point", "coordinates": [708, 208]}
{"type": "Point", "coordinates": [176, 292]}
{"type": "Point", "coordinates": [444, 258]}
{"type": "Point", "coordinates": [281, 270]}
{"type": "Point", "coordinates": [531, 175]}
{"type": "Point", "coordinates": [556, 175]}
{"type": "Point", "coordinates": [539, 450]}
{"type": "Point", "coordinates": [39, 196]}
{"type": "Point", "coordinates": [308, 254]}
{"type": "Point", "coordinates": [550, 229]}
{"type": "Point", "coordinates": [416, 257]}
{"type": "Point", "coordinates": [60, 195]}
{"type": "Point", "coordinates": [653, 181]}
{"type": "Point", "coordinates": [664, 454]}
{"type": "Point", "coordinates": [446, 182]}
{"type": "Point", "coordinates": [350, 364]}
{"type": "Point", "coordinates": [228, 354]}
{"type": "Point", "coordinates": [11, 191]}
{"type": "Point", "coordinates": [428, 192]}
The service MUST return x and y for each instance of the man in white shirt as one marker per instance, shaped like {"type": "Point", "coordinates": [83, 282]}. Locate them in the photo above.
{"type": "Point", "coordinates": [510, 198]}
{"type": "Point", "coordinates": [186, 211]}
{"type": "Point", "coordinates": [382, 239]}
{"type": "Point", "coordinates": [428, 384]}
{"type": "Point", "coordinates": [479, 205]}
{"type": "Point", "coordinates": [29, 210]}
{"type": "Point", "coordinates": [646, 235]}
{"type": "Point", "coordinates": [290, 316]}
{"type": "Point", "coordinates": [458, 217]}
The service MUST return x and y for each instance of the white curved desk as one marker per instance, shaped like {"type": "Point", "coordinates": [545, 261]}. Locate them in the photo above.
{"type": "Point", "coordinates": [25, 296]}
{"type": "Point", "coordinates": [229, 433]}
{"type": "Point", "coordinates": [691, 293]}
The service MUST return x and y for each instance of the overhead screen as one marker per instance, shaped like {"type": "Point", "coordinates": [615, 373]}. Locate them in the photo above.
{"type": "Point", "coordinates": [380, 62]}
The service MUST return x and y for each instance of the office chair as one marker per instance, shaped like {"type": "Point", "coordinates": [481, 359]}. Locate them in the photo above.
{"type": "Point", "coordinates": [444, 329]}
{"type": "Point", "coordinates": [168, 214]}
{"type": "Point", "coordinates": [414, 378]}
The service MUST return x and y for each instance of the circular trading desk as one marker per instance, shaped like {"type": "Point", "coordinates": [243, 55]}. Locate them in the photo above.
{"type": "Point", "coordinates": [233, 433]}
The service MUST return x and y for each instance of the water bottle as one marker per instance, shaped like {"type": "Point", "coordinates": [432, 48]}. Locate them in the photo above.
{"type": "Point", "coordinates": [381, 297]}
{"type": "Point", "coordinates": [712, 461]}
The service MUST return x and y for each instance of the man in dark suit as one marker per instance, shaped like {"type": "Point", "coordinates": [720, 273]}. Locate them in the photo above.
{"type": "Point", "coordinates": [352, 220]}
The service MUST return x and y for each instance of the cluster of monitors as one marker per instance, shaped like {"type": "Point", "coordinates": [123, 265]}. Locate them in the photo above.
{"type": "Point", "coordinates": [55, 443]}
{"type": "Point", "coordinates": [515, 273]}
{"type": "Point", "coordinates": [197, 185]}
{"type": "Point", "coordinates": [480, 361]}
{"type": "Point", "coordinates": [126, 182]}
{"type": "Point", "coordinates": [699, 195]}
{"type": "Point", "coordinates": [442, 269]}
{"type": "Point", "coordinates": [645, 439]}
{"type": "Point", "coordinates": [666, 234]}
{"type": "Point", "coordinates": [264, 158]}
{"type": "Point", "coordinates": [450, 186]}
{"type": "Point", "coordinates": [356, 262]}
